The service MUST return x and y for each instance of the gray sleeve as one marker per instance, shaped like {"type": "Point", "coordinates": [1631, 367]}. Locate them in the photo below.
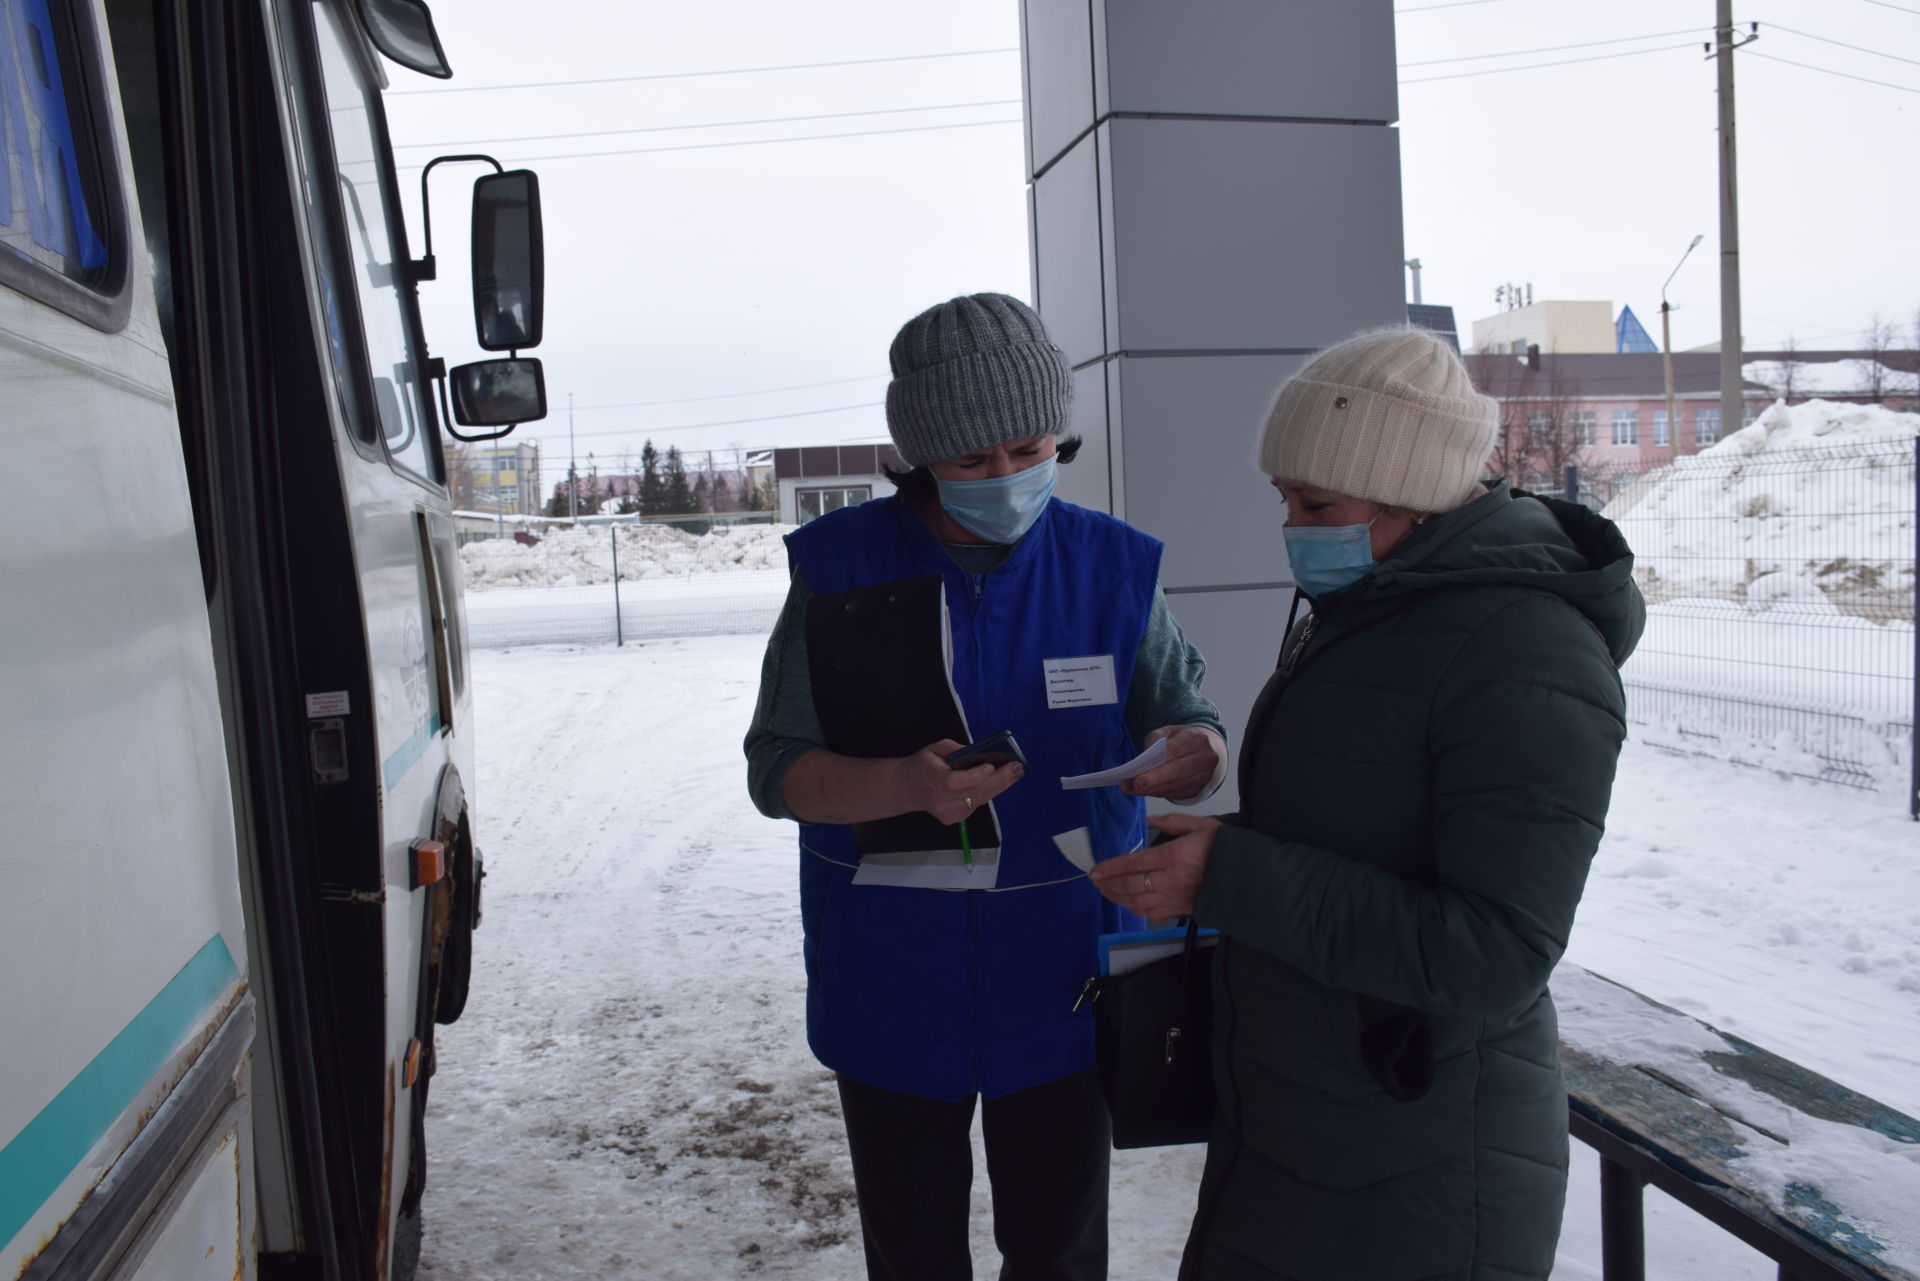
{"type": "Point", "coordinates": [1167, 673]}
{"type": "Point", "coordinates": [785, 726]}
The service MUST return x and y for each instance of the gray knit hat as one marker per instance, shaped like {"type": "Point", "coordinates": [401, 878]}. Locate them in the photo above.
{"type": "Point", "coordinates": [1389, 415]}
{"type": "Point", "coordinates": [972, 373]}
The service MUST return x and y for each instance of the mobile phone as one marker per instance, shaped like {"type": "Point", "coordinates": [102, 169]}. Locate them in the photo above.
{"type": "Point", "coordinates": [995, 749]}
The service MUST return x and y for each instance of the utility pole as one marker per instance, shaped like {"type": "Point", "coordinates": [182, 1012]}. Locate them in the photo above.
{"type": "Point", "coordinates": [573, 478]}
{"type": "Point", "coordinates": [1666, 348]}
{"type": "Point", "coordinates": [1732, 394]}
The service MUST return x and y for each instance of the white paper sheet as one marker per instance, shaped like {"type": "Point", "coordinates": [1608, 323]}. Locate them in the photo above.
{"type": "Point", "coordinates": [1153, 756]}
{"type": "Point", "coordinates": [1077, 846]}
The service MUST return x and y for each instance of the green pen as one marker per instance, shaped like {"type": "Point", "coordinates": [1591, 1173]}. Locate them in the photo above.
{"type": "Point", "coordinates": [966, 846]}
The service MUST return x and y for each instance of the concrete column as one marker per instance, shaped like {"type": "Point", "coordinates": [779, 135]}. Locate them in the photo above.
{"type": "Point", "coordinates": [1214, 194]}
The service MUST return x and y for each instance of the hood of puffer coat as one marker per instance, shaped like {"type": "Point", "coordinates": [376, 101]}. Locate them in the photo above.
{"type": "Point", "coordinates": [1508, 536]}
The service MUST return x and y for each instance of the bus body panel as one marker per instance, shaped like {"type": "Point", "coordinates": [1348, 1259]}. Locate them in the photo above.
{"type": "Point", "coordinates": [203, 1233]}
{"type": "Point", "coordinates": [134, 883]}
{"type": "Point", "coordinates": [117, 889]}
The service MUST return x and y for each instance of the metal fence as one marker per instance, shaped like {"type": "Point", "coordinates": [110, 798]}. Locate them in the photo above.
{"type": "Point", "coordinates": [618, 583]}
{"type": "Point", "coordinates": [1781, 602]}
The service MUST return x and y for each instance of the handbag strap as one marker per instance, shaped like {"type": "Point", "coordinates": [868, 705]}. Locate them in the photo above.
{"type": "Point", "coordinates": [1187, 954]}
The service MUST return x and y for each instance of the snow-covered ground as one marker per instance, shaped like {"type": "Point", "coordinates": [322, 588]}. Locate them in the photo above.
{"type": "Point", "coordinates": [629, 1094]}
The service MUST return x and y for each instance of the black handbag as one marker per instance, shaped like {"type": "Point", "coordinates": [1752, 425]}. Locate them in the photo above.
{"type": "Point", "coordinates": [1153, 1046]}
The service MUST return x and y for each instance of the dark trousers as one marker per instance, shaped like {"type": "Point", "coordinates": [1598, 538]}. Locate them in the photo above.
{"type": "Point", "coordinates": [1048, 1152]}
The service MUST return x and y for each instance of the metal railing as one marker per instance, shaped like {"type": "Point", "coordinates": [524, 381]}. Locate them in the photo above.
{"type": "Point", "coordinates": [1719, 1125]}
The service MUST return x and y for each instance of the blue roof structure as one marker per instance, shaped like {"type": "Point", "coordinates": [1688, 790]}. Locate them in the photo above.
{"type": "Point", "coordinates": [1630, 335]}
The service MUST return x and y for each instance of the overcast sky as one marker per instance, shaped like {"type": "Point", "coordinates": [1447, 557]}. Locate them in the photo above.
{"type": "Point", "coordinates": [677, 280]}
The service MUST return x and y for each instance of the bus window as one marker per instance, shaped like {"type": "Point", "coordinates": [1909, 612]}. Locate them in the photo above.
{"type": "Point", "coordinates": [372, 256]}
{"type": "Point", "coordinates": [54, 214]}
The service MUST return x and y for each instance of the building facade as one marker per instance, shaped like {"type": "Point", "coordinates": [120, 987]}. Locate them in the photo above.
{"type": "Point", "coordinates": [506, 478]}
{"type": "Point", "coordinates": [1563, 327]}
{"type": "Point", "coordinates": [813, 480]}
{"type": "Point", "coordinates": [1604, 413]}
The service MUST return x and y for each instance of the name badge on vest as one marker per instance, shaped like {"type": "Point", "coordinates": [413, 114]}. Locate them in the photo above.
{"type": "Point", "coordinates": [1080, 682]}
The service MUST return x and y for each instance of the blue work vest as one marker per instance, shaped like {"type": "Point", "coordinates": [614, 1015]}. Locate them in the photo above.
{"type": "Point", "coordinates": [939, 993]}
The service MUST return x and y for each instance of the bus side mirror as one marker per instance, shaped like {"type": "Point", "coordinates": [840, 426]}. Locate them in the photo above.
{"type": "Point", "coordinates": [509, 262]}
{"type": "Point", "coordinates": [498, 393]}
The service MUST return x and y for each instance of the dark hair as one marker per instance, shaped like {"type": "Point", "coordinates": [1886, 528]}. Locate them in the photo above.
{"type": "Point", "coordinates": [917, 482]}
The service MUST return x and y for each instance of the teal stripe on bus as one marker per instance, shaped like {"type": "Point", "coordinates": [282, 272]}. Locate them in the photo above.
{"type": "Point", "coordinates": [409, 752]}
{"type": "Point", "coordinates": [59, 1138]}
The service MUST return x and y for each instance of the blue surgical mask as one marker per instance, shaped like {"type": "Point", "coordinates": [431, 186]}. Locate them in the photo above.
{"type": "Point", "coordinates": [1001, 508]}
{"type": "Point", "coordinates": [1326, 558]}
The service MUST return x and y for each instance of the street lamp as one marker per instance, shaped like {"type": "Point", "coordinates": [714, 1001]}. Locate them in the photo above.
{"type": "Point", "coordinates": [1666, 345]}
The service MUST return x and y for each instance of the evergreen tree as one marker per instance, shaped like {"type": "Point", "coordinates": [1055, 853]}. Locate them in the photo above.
{"type": "Point", "coordinates": [680, 499]}
{"type": "Point", "coordinates": [679, 495]}
{"type": "Point", "coordinates": [653, 490]}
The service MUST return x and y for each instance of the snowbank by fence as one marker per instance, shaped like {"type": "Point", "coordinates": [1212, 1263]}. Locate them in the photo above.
{"type": "Point", "coordinates": [1778, 567]}
{"type": "Point", "coordinates": [609, 584]}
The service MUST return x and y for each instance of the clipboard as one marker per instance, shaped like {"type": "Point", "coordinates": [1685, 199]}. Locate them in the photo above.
{"type": "Point", "coordinates": [880, 659]}
{"type": "Point", "coordinates": [1126, 952]}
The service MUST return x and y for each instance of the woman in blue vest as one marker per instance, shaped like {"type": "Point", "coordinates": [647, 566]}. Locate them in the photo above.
{"type": "Point", "coordinates": [920, 999]}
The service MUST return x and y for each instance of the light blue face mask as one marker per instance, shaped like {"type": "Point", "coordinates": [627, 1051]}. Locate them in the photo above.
{"type": "Point", "coordinates": [1326, 558]}
{"type": "Point", "coordinates": [1001, 508]}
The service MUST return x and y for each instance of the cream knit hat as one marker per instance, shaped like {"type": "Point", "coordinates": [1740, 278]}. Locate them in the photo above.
{"type": "Point", "coordinates": [1389, 415]}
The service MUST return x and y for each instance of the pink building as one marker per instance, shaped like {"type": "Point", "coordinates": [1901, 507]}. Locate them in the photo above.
{"type": "Point", "coordinates": [1607, 413]}
{"type": "Point", "coordinates": [1603, 412]}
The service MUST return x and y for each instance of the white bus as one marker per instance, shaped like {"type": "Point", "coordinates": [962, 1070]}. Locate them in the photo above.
{"type": "Point", "coordinates": [238, 880]}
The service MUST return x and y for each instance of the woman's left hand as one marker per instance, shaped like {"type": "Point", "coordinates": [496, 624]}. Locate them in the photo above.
{"type": "Point", "coordinates": [1161, 880]}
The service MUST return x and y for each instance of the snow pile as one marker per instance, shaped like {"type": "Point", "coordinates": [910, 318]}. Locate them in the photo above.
{"type": "Point", "coordinates": [1824, 377]}
{"type": "Point", "coordinates": [1814, 424]}
{"type": "Point", "coordinates": [1811, 505]}
{"type": "Point", "coordinates": [583, 555]}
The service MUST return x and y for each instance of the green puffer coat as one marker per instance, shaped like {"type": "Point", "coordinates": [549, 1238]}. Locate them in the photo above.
{"type": "Point", "coordinates": [1423, 784]}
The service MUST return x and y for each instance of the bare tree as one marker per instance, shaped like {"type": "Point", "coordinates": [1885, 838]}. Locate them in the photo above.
{"type": "Point", "coordinates": [1504, 378]}
{"type": "Point", "coordinates": [1537, 434]}
{"type": "Point", "coordinates": [1557, 444]}
{"type": "Point", "coordinates": [1881, 338]}
{"type": "Point", "coordinates": [460, 474]}
{"type": "Point", "coordinates": [1789, 368]}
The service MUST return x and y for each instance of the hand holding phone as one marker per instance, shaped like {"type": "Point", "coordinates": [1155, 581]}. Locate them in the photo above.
{"type": "Point", "coordinates": [995, 749]}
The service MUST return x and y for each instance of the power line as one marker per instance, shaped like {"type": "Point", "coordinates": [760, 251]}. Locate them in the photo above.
{"type": "Point", "coordinates": [1857, 48]}
{"type": "Point", "coordinates": [1452, 4]}
{"type": "Point", "coordinates": [1900, 7]}
{"type": "Point", "coordinates": [1535, 66]}
{"type": "Point", "coordinates": [689, 75]}
{"type": "Point", "coordinates": [1884, 84]}
{"type": "Point", "coordinates": [1555, 48]}
{"type": "Point", "coordinates": [732, 395]}
{"type": "Point", "coordinates": [753, 142]}
{"type": "Point", "coordinates": [712, 124]}
{"type": "Point", "coordinates": [728, 422]}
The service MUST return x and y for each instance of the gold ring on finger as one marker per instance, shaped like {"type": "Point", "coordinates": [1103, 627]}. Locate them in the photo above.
{"type": "Point", "coordinates": [1148, 878]}
{"type": "Point", "coordinates": [969, 801]}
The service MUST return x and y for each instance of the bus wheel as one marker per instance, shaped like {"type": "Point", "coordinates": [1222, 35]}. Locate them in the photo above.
{"type": "Point", "coordinates": [456, 957]}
